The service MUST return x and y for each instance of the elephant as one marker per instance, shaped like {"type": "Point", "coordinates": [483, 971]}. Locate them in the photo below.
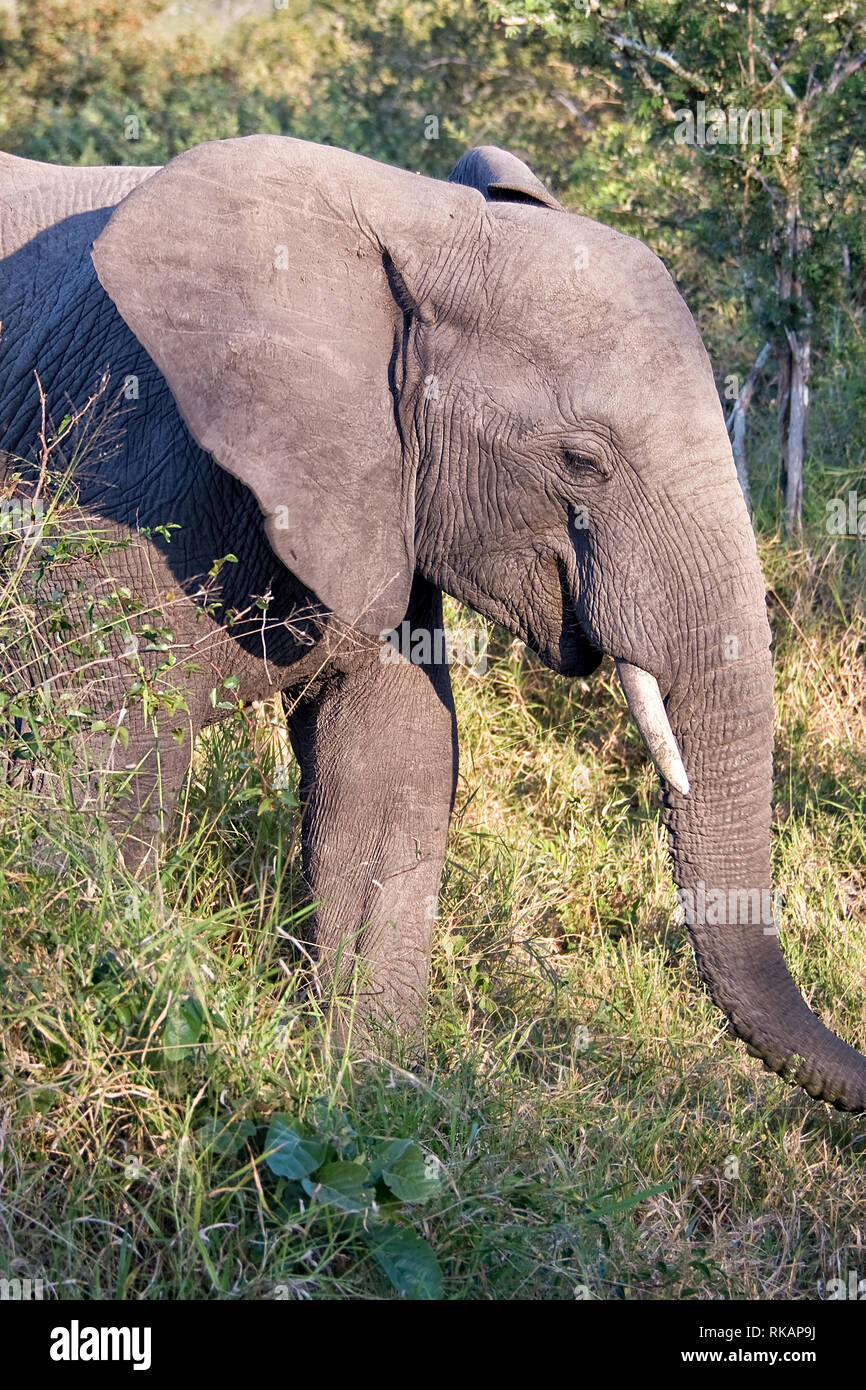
{"type": "Point", "coordinates": [369, 387]}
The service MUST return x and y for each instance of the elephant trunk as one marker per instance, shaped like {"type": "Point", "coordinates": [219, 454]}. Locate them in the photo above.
{"type": "Point", "coordinates": [719, 840]}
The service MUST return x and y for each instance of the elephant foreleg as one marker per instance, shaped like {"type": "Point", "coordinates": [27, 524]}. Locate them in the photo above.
{"type": "Point", "coordinates": [378, 754]}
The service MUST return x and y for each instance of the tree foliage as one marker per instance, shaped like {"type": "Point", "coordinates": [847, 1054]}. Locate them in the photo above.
{"type": "Point", "coordinates": [766, 237]}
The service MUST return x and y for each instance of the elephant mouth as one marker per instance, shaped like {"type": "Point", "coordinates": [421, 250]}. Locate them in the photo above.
{"type": "Point", "coordinates": [574, 653]}
{"type": "Point", "coordinates": [577, 654]}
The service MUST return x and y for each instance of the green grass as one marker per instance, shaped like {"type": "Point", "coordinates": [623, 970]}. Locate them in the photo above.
{"type": "Point", "coordinates": [579, 1104]}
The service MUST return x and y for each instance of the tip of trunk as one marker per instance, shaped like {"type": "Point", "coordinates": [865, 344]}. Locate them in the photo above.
{"type": "Point", "coordinates": [747, 977]}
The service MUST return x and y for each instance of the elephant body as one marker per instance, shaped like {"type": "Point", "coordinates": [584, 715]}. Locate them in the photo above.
{"type": "Point", "coordinates": [133, 481]}
{"type": "Point", "coordinates": [368, 387]}
{"type": "Point", "coordinates": [347, 706]}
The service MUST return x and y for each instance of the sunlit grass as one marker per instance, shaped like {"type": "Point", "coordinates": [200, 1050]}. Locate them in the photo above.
{"type": "Point", "coordinates": [594, 1128]}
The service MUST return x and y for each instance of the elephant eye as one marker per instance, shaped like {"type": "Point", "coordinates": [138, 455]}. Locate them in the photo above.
{"type": "Point", "coordinates": [585, 465]}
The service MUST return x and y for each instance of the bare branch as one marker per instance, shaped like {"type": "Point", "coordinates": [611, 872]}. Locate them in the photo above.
{"type": "Point", "coordinates": [647, 80]}
{"type": "Point", "coordinates": [840, 71]}
{"type": "Point", "coordinates": [773, 67]}
{"type": "Point", "coordinates": [744, 394]}
{"type": "Point", "coordinates": [838, 76]}
{"type": "Point", "coordinates": [655, 55]}
{"type": "Point", "coordinates": [574, 110]}
{"type": "Point", "coordinates": [737, 424]}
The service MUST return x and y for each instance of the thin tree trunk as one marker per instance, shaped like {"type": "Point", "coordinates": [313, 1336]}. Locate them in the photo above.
{"type": "Point", "coordinates": [737, 424]}
{"type": "Point", "coordinates": [783, 401]}
{"type": "Point", "coordinates": [799, 345]}
{"type": "Point", "coordinates": [794, 363]}
{"type": "Point", "coordinates": [785, 287]}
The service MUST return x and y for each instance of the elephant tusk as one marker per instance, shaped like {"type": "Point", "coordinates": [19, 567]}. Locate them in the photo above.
{"type": "Point", "coordinates": [648, 711]}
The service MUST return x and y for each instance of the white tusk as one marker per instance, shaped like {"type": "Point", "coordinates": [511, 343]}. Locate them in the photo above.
{"type": "Point", "coordinates": [648, 711]}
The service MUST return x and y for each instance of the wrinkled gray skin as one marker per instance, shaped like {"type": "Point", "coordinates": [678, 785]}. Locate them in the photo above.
{"type": "Point", "coordinates": [420, 386]}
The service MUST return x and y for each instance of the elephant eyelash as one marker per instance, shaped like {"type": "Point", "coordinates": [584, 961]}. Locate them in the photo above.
{"type": "Point", "coordinates": [582, 463]}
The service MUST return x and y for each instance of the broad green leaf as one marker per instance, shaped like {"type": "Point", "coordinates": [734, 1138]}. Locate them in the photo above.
{"type": "Point", "coordinates": [411, 1176]}
{"type": "Point", "coordinates": [384, 1154]}
{"type": "Point", "coordinates": [342, 1184]}
{"type": "Point", "coordinates": [290, 1149]}
{"type": "Point", "coordinates": [333, 1122]}
{"type": "Point", "coordinates": [407, 1261]}
{"type": "Point", "coordinates": [225, 1135]}
{"type": "Point", "coordinates": [183, 1028]}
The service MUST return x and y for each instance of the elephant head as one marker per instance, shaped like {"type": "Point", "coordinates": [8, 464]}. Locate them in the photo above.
{"type": "Point", "coordinates": [465, 380]}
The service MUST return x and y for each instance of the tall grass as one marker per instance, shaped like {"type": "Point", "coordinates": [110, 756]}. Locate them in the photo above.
{"type": "Point", "coordinates": [586, 1128]}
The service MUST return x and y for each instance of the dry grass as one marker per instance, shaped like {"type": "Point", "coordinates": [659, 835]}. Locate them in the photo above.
{"type": "Point", "coordinates": [595, 1128]}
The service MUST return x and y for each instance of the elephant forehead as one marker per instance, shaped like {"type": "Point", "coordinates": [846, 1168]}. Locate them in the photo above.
{"type": "Point", "coordinates": [632, 380]}
{"type": "Point", "coordinates": [571, 281]}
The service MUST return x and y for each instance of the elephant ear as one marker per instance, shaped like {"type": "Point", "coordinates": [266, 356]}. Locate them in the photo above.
{"type": "Point", "coordinates": [257, 273]}
{"type": "Point", "coordinates": [501, 177]}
